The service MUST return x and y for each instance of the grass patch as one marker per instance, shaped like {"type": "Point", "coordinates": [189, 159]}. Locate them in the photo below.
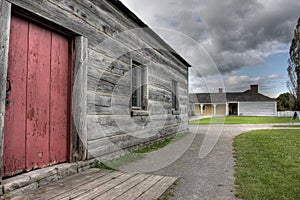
{"type": "Point", "coordinates": [268, 164]}
{"type": "Point", "coordinates": [242, 120]}
{"type": "Point", "coordinates": [154, 146]}
{"type": "Point", "coordinates": [116, 164]}
{"type": "Point", "coordinates": [138, 154]}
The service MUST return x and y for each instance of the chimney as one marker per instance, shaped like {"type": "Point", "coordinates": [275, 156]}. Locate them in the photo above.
{"type": "Point", "coordinates": [254, 88]}
{"type": "Point", "coordinates": [220, 90]}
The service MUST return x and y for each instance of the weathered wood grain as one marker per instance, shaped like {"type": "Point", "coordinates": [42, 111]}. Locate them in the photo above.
{"type": "Point", "coordinates": [53, 13]}
{"type": "Point", "coordinates": [123, 187]}
{"type": "Point", "coordinates": [135, 192]}
{"type": "Point", "coordinates": [160, 94]}
{"type": "Point", "coordinates": [79, 100]}
{"type": "Point", "coordinates": [112, 184]}
{"type": "Point", "coordinates": [92, 185]}
{"type": "Point", "coordinates": [124, 44]}
{"type": "Point", "coordinates": [113, 144]}
{"type": "Point", "coordinates": [106, 126]}
{"type": "Point", "coordinates": [99, 62]}
{"type": "Point", "coordinates": [102, 127]}
{"type": "Point", "coordinates": [162, 76]}
{"type": "Point", "coordinates": [107, 145]}
{"type": "Point", "coordinates": [101, 184]}
{"type": "Point", "coordinates": [108, 9]}
{"type": "Point", "coordinates": [102, 104]}
{"type": "Point", "coordinates": [99, 104]}
{"type": "Point", "coordinates": [109, 83]}
{"type": "Point", "coordinates": [158, 189]}
{"type": "Point", "coordinates": [159, 108]}
{"type": "Point", "coordinates": [5, 16]}
{"type": "Point", "coordinates": [91, 14]}
{"type": "Point", "coordinates": [60, 187]}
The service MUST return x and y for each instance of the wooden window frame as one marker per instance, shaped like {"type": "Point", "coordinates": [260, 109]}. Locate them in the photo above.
{"type": "Point", "coordinates": [175, 101]}
{"type": "Point", "coordinates": [139, 80]}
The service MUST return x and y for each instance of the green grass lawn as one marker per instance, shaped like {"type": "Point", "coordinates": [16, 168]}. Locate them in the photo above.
{"type": "Point", "coordinates": [268, 164]}
{"type": "Point", "coordinates": [242, 120]}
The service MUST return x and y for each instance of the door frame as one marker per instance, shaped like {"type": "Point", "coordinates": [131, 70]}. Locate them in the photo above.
{"type": "Point", "coordinates": [77, 68]}
{"type": "Point", "coordinates": [230, 104]}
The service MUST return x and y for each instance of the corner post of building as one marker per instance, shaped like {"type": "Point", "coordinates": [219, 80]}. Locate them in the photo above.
{"type": "Point", "coordinates": [201, 109]}
{"type": "Point", "coordinates": [79, 100]}
{"type": "Point", "coordinates": [215, 109]}
{"type": "Point", "coordinates": [227, 109]}
{"type": "Point", "coordinates": [5, 16]}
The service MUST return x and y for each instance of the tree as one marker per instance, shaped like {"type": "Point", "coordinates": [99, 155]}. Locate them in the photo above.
{"type": "Point", "coordinates": [294, 67]}
{"type": "Point", "coordinates": [284, 102]}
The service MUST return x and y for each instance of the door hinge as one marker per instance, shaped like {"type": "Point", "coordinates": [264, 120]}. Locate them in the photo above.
{"type": "Point", "coordinates": [8, 89]}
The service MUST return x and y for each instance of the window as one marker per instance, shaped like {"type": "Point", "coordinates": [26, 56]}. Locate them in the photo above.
{"type": "Point", "coordinates": [139, 86]}
{"type": "Point", "coordinates": [175, 95]}
{"type": "Point", "coordinates": [204, 107]}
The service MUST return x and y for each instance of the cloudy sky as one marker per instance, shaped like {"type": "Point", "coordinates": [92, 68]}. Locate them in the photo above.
{"type": "Point", "coordinates": [230, 43]}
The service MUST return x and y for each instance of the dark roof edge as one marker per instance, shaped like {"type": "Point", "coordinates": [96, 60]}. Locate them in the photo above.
{"type": "Point", "coordinates": [133, 17]}
{"type": "Point", "coordinates": [227, 94]}
{"type": "Point", "coordinates": [274, 99]}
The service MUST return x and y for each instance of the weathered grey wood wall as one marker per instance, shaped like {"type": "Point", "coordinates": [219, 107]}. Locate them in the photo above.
{"type": "Point", "coordinates": [5, 16]}
{"type": "Point", "coordinates": [110, 126]}
{"type": "Point", "coordinates": [79, 100]}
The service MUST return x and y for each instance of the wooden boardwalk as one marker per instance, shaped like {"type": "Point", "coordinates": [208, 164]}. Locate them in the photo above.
{"type": "Point", "coordinates": [102, 184]}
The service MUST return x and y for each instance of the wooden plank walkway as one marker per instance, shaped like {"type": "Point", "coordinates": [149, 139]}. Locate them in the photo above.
{"type": "Point", "coordinates": [101, 184]}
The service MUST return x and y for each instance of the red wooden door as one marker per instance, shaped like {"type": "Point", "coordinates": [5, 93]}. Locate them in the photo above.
{"type": "Point", "coordinates": [37, 116]}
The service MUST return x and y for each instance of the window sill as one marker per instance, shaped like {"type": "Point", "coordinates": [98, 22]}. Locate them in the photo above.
{"type": "Point", "coordinates": [139, 113]}
{"type": "Point", "coordinates": [175, 112]}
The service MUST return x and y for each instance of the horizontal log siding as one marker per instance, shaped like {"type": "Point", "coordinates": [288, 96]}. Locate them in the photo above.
{"type": "Point", "coordinates": [110, 50]}
{"type": "Point", "coordinates": [257, 108]}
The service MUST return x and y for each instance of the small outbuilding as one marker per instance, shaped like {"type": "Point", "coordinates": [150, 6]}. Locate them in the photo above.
{"type": "Point", "coordinates": [247, 103]}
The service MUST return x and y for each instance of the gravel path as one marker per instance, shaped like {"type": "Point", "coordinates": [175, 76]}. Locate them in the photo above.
{"type": "Point", "coordinates": [211, 177]}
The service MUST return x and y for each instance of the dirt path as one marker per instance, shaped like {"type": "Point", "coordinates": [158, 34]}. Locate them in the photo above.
{"type": "Point", "coordinates": [211, 177]}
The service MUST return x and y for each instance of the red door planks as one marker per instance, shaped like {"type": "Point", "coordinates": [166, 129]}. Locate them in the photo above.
{"type": "Point", "coordinates": [59, 99]}
{"type": "Point", "coordinates": [38, 81]}
{"type": "Point", "coordinates": [14, 128]}
{"type": "Point", "coordinates": [36, 130]}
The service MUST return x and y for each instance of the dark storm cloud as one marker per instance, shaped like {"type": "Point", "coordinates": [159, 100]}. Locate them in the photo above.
{"type": "Point", "coordinates": [236, 33]}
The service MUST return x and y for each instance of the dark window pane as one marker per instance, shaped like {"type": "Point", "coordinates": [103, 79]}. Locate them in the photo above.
{"type": "Point", "coordinates": [137, 85]}
{"type": "Point", "coordinates": [174, 95]}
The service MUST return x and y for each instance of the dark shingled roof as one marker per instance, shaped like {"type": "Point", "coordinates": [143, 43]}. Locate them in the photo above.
{"type": "Point", "coordinates": [247, 96]}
